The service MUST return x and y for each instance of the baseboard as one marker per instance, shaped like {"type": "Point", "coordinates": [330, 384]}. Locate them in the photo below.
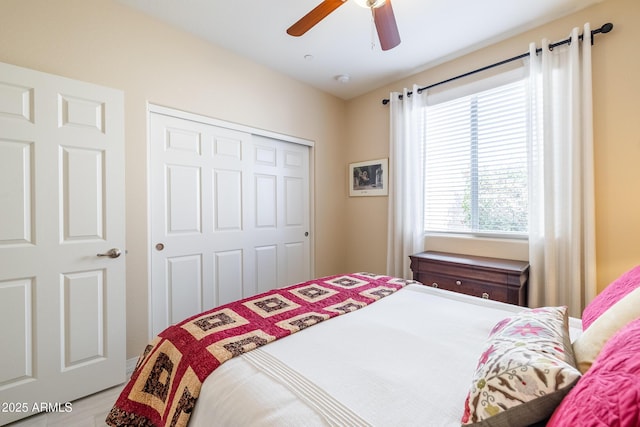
{"type": "Point", "coordinates": [131, 365]}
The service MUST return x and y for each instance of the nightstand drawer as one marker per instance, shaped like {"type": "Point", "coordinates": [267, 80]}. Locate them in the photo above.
{"type": "Point", "coordinates": [465, 286]}
{"type": "Point", "coordinates": [462, 271]}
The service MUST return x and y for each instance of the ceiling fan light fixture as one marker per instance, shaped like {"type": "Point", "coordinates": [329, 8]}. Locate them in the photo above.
{"type": "Point", "coordinates": [369, 4]}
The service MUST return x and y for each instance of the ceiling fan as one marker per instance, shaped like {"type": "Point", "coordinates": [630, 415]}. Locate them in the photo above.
{"type": "Point", "coordinates": [383, 18]}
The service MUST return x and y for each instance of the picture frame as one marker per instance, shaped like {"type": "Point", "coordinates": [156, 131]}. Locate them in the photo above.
{"type": "Point", "coordinates": [369, 178]}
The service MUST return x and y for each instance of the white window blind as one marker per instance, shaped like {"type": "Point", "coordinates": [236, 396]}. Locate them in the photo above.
{"type": "Point", "coordinates": [475, 158]}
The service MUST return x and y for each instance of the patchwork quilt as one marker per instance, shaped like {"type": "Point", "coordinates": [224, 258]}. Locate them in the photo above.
{"type": "Point", "coordinates": [166, 382]}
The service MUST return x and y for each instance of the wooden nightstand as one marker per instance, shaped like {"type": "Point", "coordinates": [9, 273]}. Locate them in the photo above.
{"type": "Point", "coordinates": [491, 278]}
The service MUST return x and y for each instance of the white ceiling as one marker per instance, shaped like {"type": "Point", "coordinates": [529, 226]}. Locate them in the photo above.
{"type": "Point", "coordinates": [432, 31]}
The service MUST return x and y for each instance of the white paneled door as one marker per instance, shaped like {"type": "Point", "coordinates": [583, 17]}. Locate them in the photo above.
{"type": "Point", "coordinates": [62, 307]}
{"type": "Point", "coordinates": [229, 215]}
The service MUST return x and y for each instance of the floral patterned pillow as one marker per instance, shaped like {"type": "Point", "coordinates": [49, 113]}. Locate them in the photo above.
{"type": "Point", "coordinates": [526, 369]}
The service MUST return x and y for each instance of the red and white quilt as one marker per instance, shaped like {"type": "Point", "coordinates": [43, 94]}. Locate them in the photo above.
{"type": "Point", "coordinates": [166, 382]}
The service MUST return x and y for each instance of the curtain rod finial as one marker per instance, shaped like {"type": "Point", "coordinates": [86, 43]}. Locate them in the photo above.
{"type": "Point", "coordinates": [606, 27]}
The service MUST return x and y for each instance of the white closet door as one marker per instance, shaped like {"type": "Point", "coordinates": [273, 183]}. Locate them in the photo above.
{"type": "Point", "coordinates": [229, 216]}
{"type": "Point", "coordinates": [62, 308]}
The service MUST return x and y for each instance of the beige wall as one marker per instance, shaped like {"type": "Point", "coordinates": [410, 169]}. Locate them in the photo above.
{"type": "Point", "coordinates": [616, 68]}
{"type": "Point", "coordinates": [103, 42]}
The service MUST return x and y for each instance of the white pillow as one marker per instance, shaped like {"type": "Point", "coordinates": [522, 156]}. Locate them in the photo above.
{"type": "Point", "coordinates": [587, 347]}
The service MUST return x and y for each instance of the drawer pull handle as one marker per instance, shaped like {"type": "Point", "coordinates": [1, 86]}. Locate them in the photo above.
{"type": "Point", "coordinates": [434, 285]}
{"type": "Point", "coordinates": [458, 282]}
{"type": "Point", "coordinates": [485, 295]}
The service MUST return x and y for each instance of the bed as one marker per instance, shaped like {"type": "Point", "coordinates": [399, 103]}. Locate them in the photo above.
{"type": "Point", "coordinates": [403, 354]}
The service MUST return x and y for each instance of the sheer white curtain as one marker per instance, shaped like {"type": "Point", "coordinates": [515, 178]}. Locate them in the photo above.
{"type": "Point", "coordinates": [405, 224]}
{"type": "Point", "coordinates": [561, 216]}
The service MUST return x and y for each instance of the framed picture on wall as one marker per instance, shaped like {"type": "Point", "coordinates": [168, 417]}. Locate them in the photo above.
{"type": "Point", "coordinates": [370, 178]}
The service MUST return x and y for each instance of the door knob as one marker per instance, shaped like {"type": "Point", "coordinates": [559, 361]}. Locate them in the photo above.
{"type": "Point", "coordinates": [112, 253]}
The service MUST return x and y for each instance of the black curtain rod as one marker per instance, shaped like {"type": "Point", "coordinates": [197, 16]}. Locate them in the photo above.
{"type": "Point", "coordinates": [604, 29]}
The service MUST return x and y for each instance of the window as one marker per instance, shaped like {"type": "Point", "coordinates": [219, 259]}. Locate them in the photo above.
{"type": "Point", "coordinates": [475, 159]}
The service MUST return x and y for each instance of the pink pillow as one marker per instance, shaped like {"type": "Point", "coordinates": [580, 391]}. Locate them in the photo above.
{"type": "Point", "coordinates": [610, 295]}
{"type": "Point", "coordinates": [609, 393]}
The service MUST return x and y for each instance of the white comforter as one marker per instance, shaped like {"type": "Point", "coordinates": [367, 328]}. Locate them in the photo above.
{"type": "Point", "coordinates": [405, 360]}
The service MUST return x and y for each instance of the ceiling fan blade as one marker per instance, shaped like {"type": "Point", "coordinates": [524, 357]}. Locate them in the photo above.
{"type": "Point", "coordinates": [312, 18]}
{"type": "Point", "coordinates": [386, 26]}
